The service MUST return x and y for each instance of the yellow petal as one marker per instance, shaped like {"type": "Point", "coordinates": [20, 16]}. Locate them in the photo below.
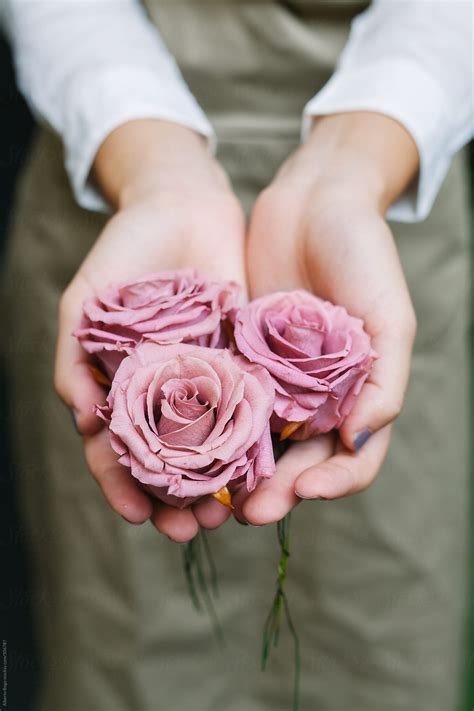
{"type": "Point", "coordinates": [99, 376]}
{"type": "Point", "coordinates": [223, 497]}
{"type": "Point", "coordinates": [290, 429]}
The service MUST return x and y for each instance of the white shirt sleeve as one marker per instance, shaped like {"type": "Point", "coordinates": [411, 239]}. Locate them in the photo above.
{"type": "Point", "coordinates": [88, 66]}
{"type": "Point", "coordinates": [413, 61]}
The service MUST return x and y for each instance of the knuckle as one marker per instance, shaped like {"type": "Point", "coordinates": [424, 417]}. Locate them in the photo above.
{"type": "Point", "coordinates": [60, 386]}
{"type": "Point", "coordinates": [392, 410]}
{"type": "Point", "coordinates": [341, 472]}
{"type": "Point", "coordinates": [103, 474]}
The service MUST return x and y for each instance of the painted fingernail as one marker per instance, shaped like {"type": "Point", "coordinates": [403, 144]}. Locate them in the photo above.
{"type": "Point", "coordinates": [361, 438]}
{"type": "Point", "coordinates": [74, 420]}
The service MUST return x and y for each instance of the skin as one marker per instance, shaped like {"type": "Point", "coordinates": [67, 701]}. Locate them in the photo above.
{"type": "Point", "coordinates": [322, 222]}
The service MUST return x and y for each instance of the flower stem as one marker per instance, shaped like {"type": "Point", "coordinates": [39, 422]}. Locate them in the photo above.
{"type": "Point", "coordinates": [271, 629]}
{"type": "Point", "coordinates": [201, 578]}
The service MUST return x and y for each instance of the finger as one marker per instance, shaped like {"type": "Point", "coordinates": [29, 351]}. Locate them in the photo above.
{"type": "Point", "coordinates": [73, 380]}
{"type": "Point", "coordinates": [275, 497]}
{"type": "Point", "coordinates": [373, 288]}
{"type": "Point", "coordinates": [381, 398]}
{"type": "Point", "coordinates": [240, 494]}
{"type": "Point", "coordinates": [346, 472]}
{"type": "Point", "coordinates": [118, 486]}
{"type": "Point", "coordinates": [178, 524]}
{"type": "Point", "coordinates": [210, 513]}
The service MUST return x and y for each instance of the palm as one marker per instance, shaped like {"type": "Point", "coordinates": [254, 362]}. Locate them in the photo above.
{"type": "Point", "coordinates": [345, 253]}
{"type": "Point", "coordinates": [151, 236]}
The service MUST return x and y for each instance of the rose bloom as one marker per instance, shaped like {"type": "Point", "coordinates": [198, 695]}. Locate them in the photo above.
{"type": "Point", "coordinates": [189, 420]}
{"type": "Point", "coordinates": [317, 354]}
{"type": "Point", "coordinates": [169, 307]}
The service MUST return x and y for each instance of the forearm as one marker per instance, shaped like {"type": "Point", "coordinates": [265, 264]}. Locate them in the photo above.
{"type": "Point", "coordinates": [87, 68]}
{"type": "Point", "coordinates": [410, 60]}
{"type": "Point", "coordinates": [365, 154]}
{"type": "Point", "coordinates": [144, 157]}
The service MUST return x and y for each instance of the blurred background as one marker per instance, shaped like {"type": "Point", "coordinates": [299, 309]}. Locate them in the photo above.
{"type": "Point", "coordinates": [16, 125]}
{"type": "Point", "coordinates": [23, 663]}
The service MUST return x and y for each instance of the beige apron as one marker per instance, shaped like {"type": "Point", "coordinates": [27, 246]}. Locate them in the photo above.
{"type": "Point", "coordinates": [376, 581]}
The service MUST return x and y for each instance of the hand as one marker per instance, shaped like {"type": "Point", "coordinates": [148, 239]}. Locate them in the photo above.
{"type": "Point", "coordinates": [175, 209]}
{"type": "Point", "coordinates": [320, 226]}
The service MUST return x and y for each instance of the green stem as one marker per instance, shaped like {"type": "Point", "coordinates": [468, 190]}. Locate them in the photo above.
{"type": "Point", "coordinates": [188, 566]}
{"type": "Point", "coordinates": [201, 578]}
{"type": "Point", "coordinates": [211, 564]}
{"type": "Point", "coordinates": [271, 629]}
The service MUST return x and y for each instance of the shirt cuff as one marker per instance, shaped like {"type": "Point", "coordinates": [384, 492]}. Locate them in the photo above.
{"type": "Point", "coordinates": [402, 90]}
{"type": "Point", "coordinates": [102, 103]}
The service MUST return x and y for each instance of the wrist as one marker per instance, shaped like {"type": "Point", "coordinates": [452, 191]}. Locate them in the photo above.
{"type": "Point", "coordinates": [144, 158]}
{"type": "Point", "coordinates": [366, 155]}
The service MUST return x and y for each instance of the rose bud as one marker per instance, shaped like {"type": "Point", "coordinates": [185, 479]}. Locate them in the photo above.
{"type": "Point", "coordinates": [317, 354]}
{"type": "Point", "coordinates": [189, 420]}
{"type": "Point", "coordinates": [169, 307]}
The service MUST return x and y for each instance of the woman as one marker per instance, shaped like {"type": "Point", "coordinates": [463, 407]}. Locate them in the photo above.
{"type": "Point", "coordinates": [377, 580]}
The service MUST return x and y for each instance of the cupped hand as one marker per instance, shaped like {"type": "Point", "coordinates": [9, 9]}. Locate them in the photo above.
{"type": "Point", "coordinates": [175, 209]}
{"type": "Point", "coordinates": [320, 226]}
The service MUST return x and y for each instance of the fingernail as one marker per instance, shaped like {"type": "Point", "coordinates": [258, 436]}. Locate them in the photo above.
{"type": "Point", "coordinates": [74, 420]}
{"type": "Point", "coordinates": [256, 525]}
{"type": "Point", "coordinates": [361, 438]}
{"type": "Point", "coordinates": [133, 523]}
{"type": "Point", "coordinates": [311, 498]}
{"type": "Point", "coordinates": [242, 523]}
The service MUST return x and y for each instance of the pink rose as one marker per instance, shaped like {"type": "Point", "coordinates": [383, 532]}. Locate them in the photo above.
{"type": "Point", "coordinates": [317, 354]}
{"type": "Point", "coordinates": [189, 420]}
{"type": "Point", "coordinates": [169, 307]}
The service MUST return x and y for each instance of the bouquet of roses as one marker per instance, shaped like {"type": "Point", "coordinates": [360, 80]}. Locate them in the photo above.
{"type": "Point", "coordinates": [197, 385]}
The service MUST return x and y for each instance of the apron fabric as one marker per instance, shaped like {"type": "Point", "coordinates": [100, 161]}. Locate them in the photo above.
{"type": "Point", "coordinates": [376, 581]}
